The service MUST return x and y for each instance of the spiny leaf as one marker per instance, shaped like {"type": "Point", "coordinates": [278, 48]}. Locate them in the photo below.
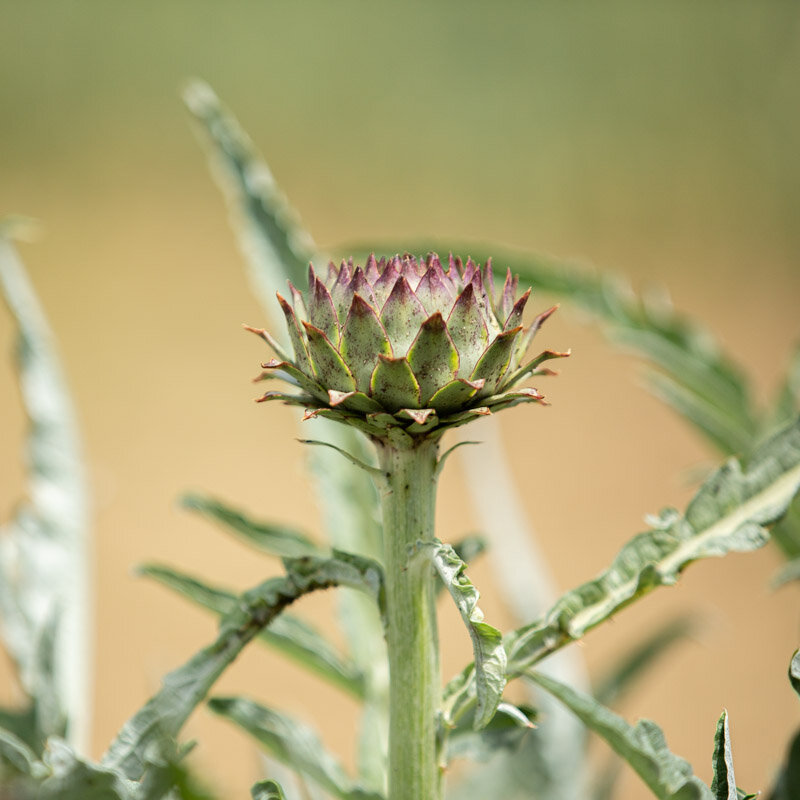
{"type": "Point", "coordinates": [42, 551]}
{"type": "Point", "coordinates": [487, 641]}
{"type": "Point", "coordinates": [290, 742]}
{"type": "Point", "coordinates": [642, 746]}
{"type": "Point", "coordinates": [287, 633]}
{"type": "Point", "coordinates": [727, 514]}
{"type": "Point", "coordinates": [277, 540]}
{"type": "Point", "coordinates": [186, 687]}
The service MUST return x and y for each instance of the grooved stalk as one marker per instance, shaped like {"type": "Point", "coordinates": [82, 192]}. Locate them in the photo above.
{"type": "Point", "coordinates": [408, 502]}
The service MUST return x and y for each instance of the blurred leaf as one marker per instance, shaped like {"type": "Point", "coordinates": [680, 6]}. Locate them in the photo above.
{"type": "Point", "coordinates": [275, 244]}
{"type": "Point", "coordinates": [17, 757]}
{"type": "Point", "coordinates": [787, 532]}
{"type": "Point", "coordinates": [267, 790]}
{"type": "Point", "coordinates": [487, 641]}
{"type": "Point", "coordinates": [287, 633]}
{"type": "Point", "coordinates": [642, 746]}
{"type": "Point", "coordinates": [604, 783]}
{"type": "Point", "coordinates": [290, 742]}
{"type": "Point", "coordinates": [186, 687]}
{"type": "Point", "coordinates": [705, 383]}
{"type": "Point", "coordinates": [787, 404]}
{"type": "Point", "coordinates": [470, 547]}
{"type": "Point", "coordinates": [787, 573]}
{"type": "Point", "coordinates": [726, 515]}
{"type": "Point", "coordinates": [277, 540]}
{"type": "Point", "coordinates": [278, 248]}
{"type": "Point", "coordinates": [610, 689]}
{"type": "Point", "coordinates": [43, 584]}
{"type": "Point", "coordinates": [787, 787]}
{"type": "Point", "coordinates": [74, 779]}
{"type": "Point", "coordinates": [504, 732]}
{"type": "Point", "coordinates": [23, 725]}
{"type": "Point", "coordinates": [634, 663]}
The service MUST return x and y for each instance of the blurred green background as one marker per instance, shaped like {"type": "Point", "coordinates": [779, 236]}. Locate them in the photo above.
{"type": "Point", "coordinates": [659, 139]}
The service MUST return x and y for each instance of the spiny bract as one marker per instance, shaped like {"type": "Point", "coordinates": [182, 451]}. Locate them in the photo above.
{"type": "Point", "coordinates": [406, 345]}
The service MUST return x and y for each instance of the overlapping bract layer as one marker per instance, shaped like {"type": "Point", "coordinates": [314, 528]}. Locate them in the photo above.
{"type": "Point", "coordinates": [406, 344]}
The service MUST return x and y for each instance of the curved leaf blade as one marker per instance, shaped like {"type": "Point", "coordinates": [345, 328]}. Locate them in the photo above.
{"type": "Point", "coordinates": [277, 248]}
{"type": "Point", "coordinates": [43, 564]}
{"type": "Point", "coordinates": [276, 540]}
{"type": "Point", "coordinates": [291, 743]}
{"type": "Point", "coordinates": [288, 633]}
{"type": "Point", "coordinates": [186, 687]}
{"type": "Point", "coordinates": [487, 641]}
{"type": "Point", "coordinates": [728, 514]}
{"type": "Point", "coordinates": [643, 746]}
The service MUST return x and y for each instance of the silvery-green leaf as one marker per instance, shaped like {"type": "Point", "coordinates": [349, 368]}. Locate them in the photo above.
{"type": "Point", "coordinates": [276, 245]}
{"type": "Point", "coordinates": [727, 514]}
{"type": "Point", "coordinates": [642, 746]}
{"type": "Point", "coordinates": [43, 583]}
{"type": "Point", "coordinates": [74, 779]}
{"type": "Point", "coordinates": [487, 641]}
{"type": "Point", "coordinates": [292, 743]}
{"type": "Point", "coordinates": [723, 785]}
{"type": "Point", "coordinates": [277, 540]}
{"type": "Point", "coordinates": [184, 688]}
{"type": "Point", "coordinates": [288, 633]}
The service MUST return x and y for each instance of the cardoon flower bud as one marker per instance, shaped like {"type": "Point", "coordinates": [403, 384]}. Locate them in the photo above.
{"type": "Point", "coordinates": [406, 345]}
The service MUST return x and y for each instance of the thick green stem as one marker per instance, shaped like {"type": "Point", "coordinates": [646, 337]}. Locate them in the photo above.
{"type": "Point", "coordinates": [408, 503]}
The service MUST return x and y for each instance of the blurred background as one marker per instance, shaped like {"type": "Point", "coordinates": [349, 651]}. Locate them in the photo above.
{"type": "Point", "coordinates": [658, 140]}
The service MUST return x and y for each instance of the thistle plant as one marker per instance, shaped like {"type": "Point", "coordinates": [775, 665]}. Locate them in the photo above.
{"type": "Point", "coordinates": [396, 352]}
{"type": "Point", "coordinates": [404, 349]}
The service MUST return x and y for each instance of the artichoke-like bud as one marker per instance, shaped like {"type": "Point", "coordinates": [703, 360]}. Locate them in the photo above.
{"type": "Point", "coordinates": [406, 346]}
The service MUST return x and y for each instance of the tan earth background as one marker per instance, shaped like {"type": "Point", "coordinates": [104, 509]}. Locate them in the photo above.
{"type": "Point", "coordinates": [658, 140]}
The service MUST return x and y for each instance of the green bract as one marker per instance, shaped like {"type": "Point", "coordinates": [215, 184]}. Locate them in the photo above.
{"type": "Point", "coordinates": [405, 344]}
